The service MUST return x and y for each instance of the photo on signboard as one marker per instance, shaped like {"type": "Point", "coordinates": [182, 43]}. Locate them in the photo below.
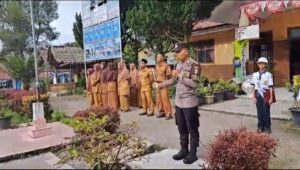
{"type": "Point", "coordinates": [108, 30]}
{"type": "Point", "coordinates": [116, 27]}
{"type": "Point", "coordinates": [102, 49]}
{"type": "Point", "coordinates": [109, 48]}
{"type": "Point", "coordinates": [87, 52]}
{"type": "Point", "coordinates": [117, 47]}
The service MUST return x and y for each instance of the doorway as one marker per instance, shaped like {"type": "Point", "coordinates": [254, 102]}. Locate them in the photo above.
{"type": "Point", "coordinates": [294, 40]}
{"type": "Point", "coordinates": [262, 47]}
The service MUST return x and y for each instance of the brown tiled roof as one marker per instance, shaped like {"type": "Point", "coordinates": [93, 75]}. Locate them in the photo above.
{"type": "Point", "coordinates": [4, 75]}
{"type": "Point", "coordinates": [59, 55]}
{"type": "Point", "coordinates": [206, 24]}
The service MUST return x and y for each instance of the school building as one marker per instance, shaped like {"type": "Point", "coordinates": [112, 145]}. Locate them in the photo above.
{"type": "Point", "coordinates": [279, 41]}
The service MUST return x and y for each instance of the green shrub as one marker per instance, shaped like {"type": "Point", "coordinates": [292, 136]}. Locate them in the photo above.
{"type": "Point", "coordinates": [100, 148]}
{"type": "Point", "coordinates": [16, 118]}
{"type": "Point", "coordinates": [200, 91]}
{"type": "Point", "coordinates": [57, 116]}
{"type": "Point", "coordinates": [79, 91]}
{"type": "Point", "coordinates": [172, 92]}
{"type": "Point", "coordinates": [81, 82]}
{"type": "Point", "coordinates": [219, 86]}
{"type": "Point", "coordinates": [112, 114]}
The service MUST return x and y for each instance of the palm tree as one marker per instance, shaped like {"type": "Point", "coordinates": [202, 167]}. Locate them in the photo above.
{"type": "Point", "coordinates": [21, 68]}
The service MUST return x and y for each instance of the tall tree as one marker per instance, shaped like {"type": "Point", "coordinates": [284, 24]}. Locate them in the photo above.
{"type": "Point", "coordinates": [161, 23]}
{"type": "Point", "coordinates": [15, 26]}
{"type": "Point", "coordinates": [77, 30]}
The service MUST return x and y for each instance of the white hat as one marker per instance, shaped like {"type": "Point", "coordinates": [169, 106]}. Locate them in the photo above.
{"type": "Point", "coordinates": [262, 60]}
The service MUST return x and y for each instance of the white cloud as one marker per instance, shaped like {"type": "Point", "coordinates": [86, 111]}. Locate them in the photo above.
{"type": "Point", "coordinates": [64, 24]}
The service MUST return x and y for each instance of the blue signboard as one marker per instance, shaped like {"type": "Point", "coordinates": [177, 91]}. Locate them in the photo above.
{"type": "Point", "coordinates": [103, 40]}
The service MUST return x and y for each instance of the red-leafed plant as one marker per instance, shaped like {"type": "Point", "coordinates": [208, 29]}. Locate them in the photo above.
{"type": "Point", "coordinates": [113, 121]}
{"type": "Point", "coordinates": [240, 149]}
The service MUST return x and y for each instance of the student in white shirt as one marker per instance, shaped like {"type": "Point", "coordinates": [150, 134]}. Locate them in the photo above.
{"type": "Point", "coordinates": [263, 95]}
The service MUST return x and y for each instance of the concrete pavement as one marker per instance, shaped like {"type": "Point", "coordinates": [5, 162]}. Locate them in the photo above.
{"type": "Point", "coordinates": [43, 161]}
{"type": "Point", "coordinates": [17, 141]}
{"type": "Point", "coordinates": [69, 104]}
{"type": "Point", "coordinates": [245, 106]}
{"type": "Point", "coordinates": [164, 132]}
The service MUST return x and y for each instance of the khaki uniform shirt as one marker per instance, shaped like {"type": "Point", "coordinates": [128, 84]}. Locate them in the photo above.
{"type": "Point", "coordinates": [146, 79]}
{"type": "Point", "coordinates": [162, 72]}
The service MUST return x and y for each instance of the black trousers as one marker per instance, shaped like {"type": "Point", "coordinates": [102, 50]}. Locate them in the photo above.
{"type": "Point", "coordinates": [187, 120]}
{"type": "Point", "coordinates": [263, 113]}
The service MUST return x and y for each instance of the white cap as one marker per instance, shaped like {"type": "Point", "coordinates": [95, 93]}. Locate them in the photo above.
{"type": "Point", "coordinates": [262, 60]}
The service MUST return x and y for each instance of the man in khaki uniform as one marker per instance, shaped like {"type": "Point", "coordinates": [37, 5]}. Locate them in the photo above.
{"type": "Point", "coordinates": [146, 80]}
{"type": "Point", "coordinates": [162, 73]}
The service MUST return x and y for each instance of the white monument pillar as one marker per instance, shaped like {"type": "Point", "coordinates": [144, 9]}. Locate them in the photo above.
{"type": "Point", "coordinates": [39, 128]}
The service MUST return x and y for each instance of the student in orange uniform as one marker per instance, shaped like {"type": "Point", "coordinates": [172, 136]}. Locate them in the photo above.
{"type": "Point", "coordinates": [103, 84]}
{"type": "Point", "coordinates": [123, 86]}
{"type": "Point", "coordinates": [112, 93]}
{"type": "Point", "coordinates": [133, 85]}
{"type": "Point", "coordinates": [89, 86]}
{"type": "Point", "coordinates": [96, 85]}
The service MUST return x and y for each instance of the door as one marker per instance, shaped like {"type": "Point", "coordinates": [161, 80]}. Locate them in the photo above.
{"type": "Point", "coordinates": [294, 37]}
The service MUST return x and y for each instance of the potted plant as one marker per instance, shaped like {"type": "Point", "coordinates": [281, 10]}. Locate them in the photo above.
{"type": "Point", "coordinates": [200, 94]}
{"type": "Point", "coordinates": [295, 109]}
{"type": "Point", "coordinates": [218, 89]}
{"type": "Point", "coordinates": [230, 90]}
{"type": "Point", "coordinates": [5, 120]}
{"type": "Point", "coordinates": [209, 95]}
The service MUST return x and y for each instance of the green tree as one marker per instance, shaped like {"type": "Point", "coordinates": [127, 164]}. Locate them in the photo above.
{"type": "Point", "coordinates": [77, 30]}
{"type": "Point", "coordinates": [15, 26]}
{"type": "Point", "coordinates": [159, 24]}
{"type": "Point", "coordinates": [21, 68]}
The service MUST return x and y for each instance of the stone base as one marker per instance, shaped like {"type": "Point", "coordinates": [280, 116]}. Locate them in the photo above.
{"type": "Point", "coordinates": [37, 133]}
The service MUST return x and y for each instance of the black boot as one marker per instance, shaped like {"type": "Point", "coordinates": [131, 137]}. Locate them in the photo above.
{"type": "Point", "coordinates": [192, 156]}
{"type": "Point", "coordinates": [181, 154]}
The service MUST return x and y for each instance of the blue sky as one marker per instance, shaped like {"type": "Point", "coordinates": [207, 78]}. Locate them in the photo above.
{"type": "Point", "coordinates": [64, 24]}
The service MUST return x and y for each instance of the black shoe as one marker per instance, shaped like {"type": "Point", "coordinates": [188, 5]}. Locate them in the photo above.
{"type": "Point", "coordinates": [143, 113]}
{"type": "Point", "coordinates": [191, 158]}
{"type": "Point", "coordinates": [181, 154]}
{"type": "Point", "coordinates": [258, 130]}
{"type": "Point", "coordinates": [161, 115]}
{"type": "Point", "coordinates": [169, 117]}
{"type": "Point", "coordinates": [151, 114]}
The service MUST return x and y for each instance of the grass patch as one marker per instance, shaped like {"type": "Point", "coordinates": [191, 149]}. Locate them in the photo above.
{"type": "Point", "coordinates": [290, 127]}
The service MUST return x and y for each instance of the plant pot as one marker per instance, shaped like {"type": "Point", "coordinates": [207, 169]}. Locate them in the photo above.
{"type": "Point", "coordinates": [209, 99]}
{"type": "Point", "coordinates": [5, 122]}
{"type": "Point", "coordinates": [295, 116]}
{"type": "Point", "coordinates": [219, 96]}
{"type": "Point", "coordinates": [201, 100]}
{"type": "Point", "coordinates": [229, 95]}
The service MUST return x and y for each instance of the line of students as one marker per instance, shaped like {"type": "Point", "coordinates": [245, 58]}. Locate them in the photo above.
{"type": "Point", "coordinates": [122, 88]}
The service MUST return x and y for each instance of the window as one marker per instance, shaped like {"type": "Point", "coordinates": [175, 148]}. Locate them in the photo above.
{"type": "Point", "coordinates": [6, 84]}
{"type": "Point", "coordinates": [205, 51]}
